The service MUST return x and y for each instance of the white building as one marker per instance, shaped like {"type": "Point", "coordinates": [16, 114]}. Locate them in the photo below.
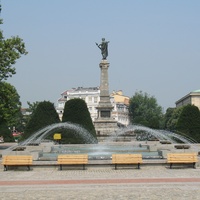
{"type": "Point", "coordinates": [192, 98]}
{"type": "Point", "coordinates": [121, 105]}
{"type": "Point", "coordinates": [91, 96]}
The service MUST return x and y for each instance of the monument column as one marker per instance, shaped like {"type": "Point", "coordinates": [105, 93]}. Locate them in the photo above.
{"type": "Point", "coordinates": [105, 107]}
{"type": "Point", "coordinates": [104, 124]}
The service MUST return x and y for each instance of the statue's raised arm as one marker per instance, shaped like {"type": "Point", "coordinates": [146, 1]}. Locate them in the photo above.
{"type": "Point", "coordinates": [104, 48]}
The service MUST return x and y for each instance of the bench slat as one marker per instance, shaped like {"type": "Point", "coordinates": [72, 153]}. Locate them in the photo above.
{"type": "Point", "coordinates": [72, 159]}
{"type": "Point", "coordinates": [126, 159]}
{"type": "Point", "coordinates": [17, 160]}
{"type": "Point", "coordinates": [181, 158]}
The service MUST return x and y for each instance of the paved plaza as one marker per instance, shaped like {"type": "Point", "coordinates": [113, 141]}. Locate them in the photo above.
{"type": "Point", "coordinates": [102, 182]}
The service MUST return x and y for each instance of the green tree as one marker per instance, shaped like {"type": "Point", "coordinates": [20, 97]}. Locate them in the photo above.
{"type": "Point", "coordinates": [44, 115]}
{"type": "Point", "coordinates": [167, 116]}
{"type": "Point", "coordinates": [145, 110]}
{"type": "Point", "coordinates": [171, 118]}
{"type": "Point", "coordinates": [6, 132]}
{"type": "Point", "coordinates": [32, 107]}
{"type": "Point", "coordinates": [10, 105]}
{"type": "Point", "coordinates": [11, 49]}
{"type": "Point", "coordinates": [76, 112]}
{"type": "Point", "coordinates": [189, 122]}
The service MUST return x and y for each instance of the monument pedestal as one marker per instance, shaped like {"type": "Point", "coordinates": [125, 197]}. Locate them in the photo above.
{"type": "Point", "coordinates": [104, 124]}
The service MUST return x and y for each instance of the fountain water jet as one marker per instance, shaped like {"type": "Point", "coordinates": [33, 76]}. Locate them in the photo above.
{"type": "Point", "coordinates": [159, 134]}
{"type": "Point", "coordinates": [38, 136]}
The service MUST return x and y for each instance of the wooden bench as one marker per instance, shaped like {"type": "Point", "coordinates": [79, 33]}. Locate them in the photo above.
{"type": "Point", "coordinates": [17, 160]}
{"type": "Point", "coordinates": [182, 158]}
{"type": "Point", "coordinates": [127, 159]}
{"type": "Point", "coordinates": [72, 159]}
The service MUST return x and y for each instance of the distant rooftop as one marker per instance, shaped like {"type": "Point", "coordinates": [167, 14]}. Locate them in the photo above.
{"type": "Point", "coordinates": [195, 91]}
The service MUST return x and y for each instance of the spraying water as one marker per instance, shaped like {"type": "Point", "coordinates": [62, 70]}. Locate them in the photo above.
{"type": "Point", "coordinates": [43, 133]}
{"type": "Point", "coordinates": [159, 134]}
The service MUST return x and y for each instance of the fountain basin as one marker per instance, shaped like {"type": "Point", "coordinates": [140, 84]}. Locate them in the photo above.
{"type": "Point", "coordinates": [99, 152]}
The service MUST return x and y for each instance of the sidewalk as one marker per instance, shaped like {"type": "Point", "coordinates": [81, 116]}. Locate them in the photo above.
{"type": "Point", "coordinates": [150, 182]}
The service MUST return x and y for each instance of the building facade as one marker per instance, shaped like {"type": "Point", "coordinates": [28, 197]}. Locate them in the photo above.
{"type": "Point", "coordinates": [91, 96]}
{"type": "Point", "coordinates": [192, 98]}
{"type": "Point", "coordinates": [121, 108]}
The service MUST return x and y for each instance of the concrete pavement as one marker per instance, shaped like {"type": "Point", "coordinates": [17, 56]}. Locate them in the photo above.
{"type": "Point", "coordinates": [150, 182]}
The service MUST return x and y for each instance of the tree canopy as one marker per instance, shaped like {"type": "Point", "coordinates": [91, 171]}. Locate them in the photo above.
{"type": "Point", "coordinates": [44, 115]}
{"type": "Point", "coordinates": [76, 111]}
{"type": "Point", "coordinates": [171, 118]}
{"type": "Point", "coordinates": [189, 122]}
{"type": "Point", "coordinates": [144, 110]}
{"type": "Point", "coordinates": [10, 104]}
{"type": "Point", "coordinates": [11, 49]}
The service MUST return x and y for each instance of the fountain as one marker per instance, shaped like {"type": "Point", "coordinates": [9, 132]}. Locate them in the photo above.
{"type": "Point", "coordinates": [161, 135]}
{"type": "Point", "coordinates": [45, 132]}
{"type": "Point", "coordinates": [103, 151]}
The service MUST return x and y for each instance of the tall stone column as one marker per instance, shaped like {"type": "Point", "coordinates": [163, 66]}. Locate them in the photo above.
{"type": "Point", "coordinates": [104, 124]}
{"type": "Point", "coordinates": [104, 86]}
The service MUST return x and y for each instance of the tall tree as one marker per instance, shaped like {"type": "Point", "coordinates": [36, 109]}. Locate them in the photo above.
{"type": "Point", "coordinates": [76, 111]}
{"type": "Point", "coordinates": [11, 49]}
{"type": "Point", "coordinates": [145, 110]}
{"type": "Point", "coordinates": [10, 111]}
{"type": "Point", "coordinates": [189, 122]}
{"type": "Point", "coordinates": [32, 107]}
{"type": "Point", "coordinates": [44, 115]}
{"type": "Point", "coordinates": [6, 132]}
{"type": "Point", "coordinates": [10, 104]}
{"type": "Point", "coordinates": [171, 118]}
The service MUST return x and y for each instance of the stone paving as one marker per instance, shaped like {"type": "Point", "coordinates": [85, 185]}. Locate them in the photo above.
{"type": "Point", "coordinates": [150, 182]}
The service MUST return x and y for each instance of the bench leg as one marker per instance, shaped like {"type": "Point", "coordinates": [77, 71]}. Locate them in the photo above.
{"type": "Point", "coordinates": [115, 166]}
{"type": "Point", "coordinates": [194, 166]}
{"type": "Point", "coordinates": [170, 165]}
{"type": "Point", "coordinates": [28, 168]}
{"type": "Point", "coordinates": [5, 168]}
{"type": "Point", "coordinates": [60, 167]}
{"type": "Point", "coordinates": [83, 166]}
{"type": "Point", "coordinates": [138, 165]}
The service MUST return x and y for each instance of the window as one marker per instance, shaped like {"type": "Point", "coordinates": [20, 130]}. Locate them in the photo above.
{"type": "Point", "coordinates": [95, 99]}
{"type": "Point", "coordinates": [89, 99]}
{"type": "Point", "coordinates": [90, 108]}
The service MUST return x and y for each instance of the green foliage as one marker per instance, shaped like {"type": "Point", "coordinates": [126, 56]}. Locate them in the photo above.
{"type": "Point", "coordinates": [144, 110]}
{"type": "Point", "coordinates": [189, 122]}
{"type": "Point", "coordinates": [10, 105]}
{"type": "Point", "coordinates": [76, 112]}
{"type": "Point", "coordinates": [167, 116]}
{"type": "Point", "coordinates": [171, 118]}
{"type": "Point", "coordinates": [5, 132]}
{"type": "Point", "coordinates": [10, 114]}
{"type": "Point", "coordinates": [44, 115]}
{"type": "Point", "coordinates": [32, 107]}
{"type": "Point", "coordinates": [11, 49]}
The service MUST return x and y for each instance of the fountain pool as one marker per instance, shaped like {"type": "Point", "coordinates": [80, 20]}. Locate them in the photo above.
{"type": "Point", "coordinates": [100, 151]}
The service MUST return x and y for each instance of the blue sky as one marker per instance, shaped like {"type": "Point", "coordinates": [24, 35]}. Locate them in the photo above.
{"type": "Point", "coordinates": [154, 46]}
